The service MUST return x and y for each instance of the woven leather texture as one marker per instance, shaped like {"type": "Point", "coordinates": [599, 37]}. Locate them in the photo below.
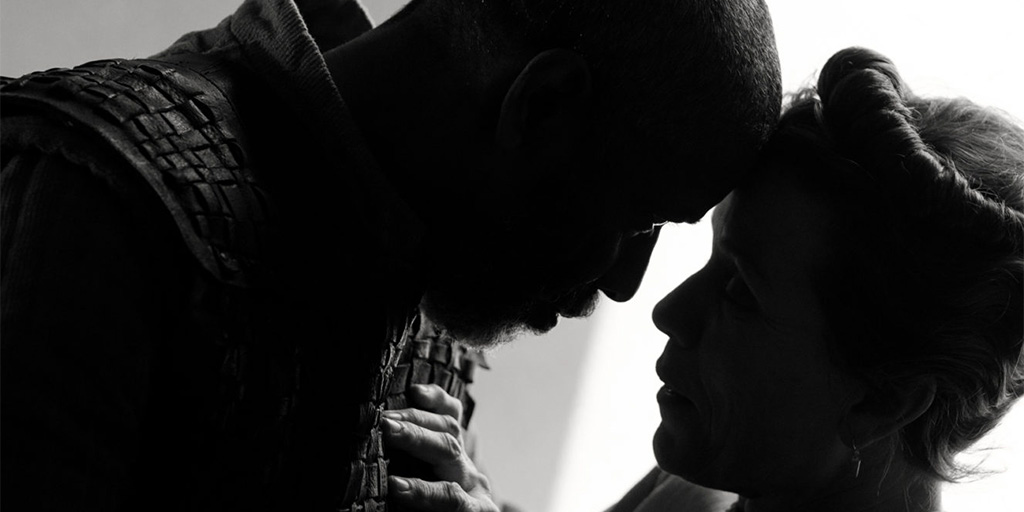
{"type": "Point", "coordinates": [422, 355]}
{"type": "Point", "coordinates": [435, 358]}
{"type": "Point", "coordinates": [179, 131]}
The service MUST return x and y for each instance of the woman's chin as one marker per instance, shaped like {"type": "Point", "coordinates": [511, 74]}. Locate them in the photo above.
{"type": "Point", "coordinates": [675, 452]}
{"type": "Point", "coordinates": [685, 455]}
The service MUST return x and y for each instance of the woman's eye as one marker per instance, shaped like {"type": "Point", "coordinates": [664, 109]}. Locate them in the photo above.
{"type": "Point", "coordinates": [737, 292]}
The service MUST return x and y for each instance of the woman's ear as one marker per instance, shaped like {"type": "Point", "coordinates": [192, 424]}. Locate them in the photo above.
{"type": "Point", "coordinates": [879, 415]}
{"type": "Point", "coordinates": [547, 104]}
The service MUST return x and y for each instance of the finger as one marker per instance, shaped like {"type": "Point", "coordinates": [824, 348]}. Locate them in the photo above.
{"type": "Point", "coordinates": [416, 494]}
{"type": "Point", "coordinates": [442, 450]}
{"type": "Point", "coordinates": [427, 420]}
{"type": "Point", "coordinates": [435, 399]}
{"type": "Point", "coordinates": [469, 444]}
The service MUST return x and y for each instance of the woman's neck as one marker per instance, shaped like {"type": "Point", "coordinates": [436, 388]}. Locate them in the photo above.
{"type": "Point", "coordinates": [888, 486]}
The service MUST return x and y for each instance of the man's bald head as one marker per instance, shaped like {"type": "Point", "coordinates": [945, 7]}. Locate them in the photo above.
{"type": "Point", "coordinates": [557, 134]}
{"type": "Point", "coordinates": [681, 87]}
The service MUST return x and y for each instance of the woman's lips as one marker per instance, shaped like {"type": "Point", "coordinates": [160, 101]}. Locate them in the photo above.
{"type": "Point", "coordinates": [667, 395]}
{"type": "Point", "coordinates": [674, 405]}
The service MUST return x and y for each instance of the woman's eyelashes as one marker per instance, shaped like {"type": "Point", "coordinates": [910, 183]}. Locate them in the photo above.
{"type": "Point", "coordinates": [738, 293]}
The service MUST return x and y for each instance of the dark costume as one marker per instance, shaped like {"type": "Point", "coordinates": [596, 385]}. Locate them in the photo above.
{"type": "Point", "coordinates": [209, 290]}
{"type": "Point", "coordinates": [659, 491]}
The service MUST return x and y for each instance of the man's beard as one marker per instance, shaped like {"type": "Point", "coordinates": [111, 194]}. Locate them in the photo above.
{"type": "Point", "coordinates": [488, 317]}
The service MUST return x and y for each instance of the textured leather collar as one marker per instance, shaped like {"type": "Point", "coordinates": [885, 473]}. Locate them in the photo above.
{"type": "Point", "coordinates": [283, 41]}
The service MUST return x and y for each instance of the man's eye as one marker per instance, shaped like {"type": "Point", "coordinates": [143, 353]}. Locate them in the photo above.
{"type": "Point", "coordinates": [737, 292]}
{"type": "Point", "coordinates": [646, 225]}
{"type": "Point", "coordinates": [651, 229]}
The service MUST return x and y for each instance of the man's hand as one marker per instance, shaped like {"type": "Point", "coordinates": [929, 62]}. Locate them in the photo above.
{"type": "Point", "coordinates": [433, 433]}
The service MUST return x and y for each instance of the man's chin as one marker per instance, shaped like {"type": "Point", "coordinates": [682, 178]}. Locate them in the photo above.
{"type": "Point", "coordinates": [469, 325]}
{"type": "Point", "coordinates": [488, 335]}
{"type": "Point", "coordinates": [489, 338]}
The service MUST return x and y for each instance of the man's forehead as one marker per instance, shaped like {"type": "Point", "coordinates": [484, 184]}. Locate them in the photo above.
{"type": "Point", "coordinates": [678, 204]}
{"type": "Point", "coordinates": [687, 194]}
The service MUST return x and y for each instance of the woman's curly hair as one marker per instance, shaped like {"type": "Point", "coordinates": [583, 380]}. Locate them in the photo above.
{"type": "Point", "coordinates": [925, 280]}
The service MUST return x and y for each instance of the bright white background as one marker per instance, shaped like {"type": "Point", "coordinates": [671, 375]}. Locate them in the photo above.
{"type": "Point", "coordinates": [565, 421]}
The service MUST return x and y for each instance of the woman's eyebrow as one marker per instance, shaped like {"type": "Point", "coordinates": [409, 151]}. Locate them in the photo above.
{"type": "Point", "coordinates": [744, 259]}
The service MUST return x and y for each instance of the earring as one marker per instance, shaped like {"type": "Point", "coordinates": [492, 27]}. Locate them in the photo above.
{"type": "Point", "coordinates": [856, 458]}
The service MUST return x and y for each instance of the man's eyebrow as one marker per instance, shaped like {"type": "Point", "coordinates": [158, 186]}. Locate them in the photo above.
{"type": "Point", "coordinates": [657, 222]}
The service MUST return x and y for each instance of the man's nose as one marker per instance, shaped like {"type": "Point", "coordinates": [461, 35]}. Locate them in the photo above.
{"type": "Point", "coordinates": [623, 279]}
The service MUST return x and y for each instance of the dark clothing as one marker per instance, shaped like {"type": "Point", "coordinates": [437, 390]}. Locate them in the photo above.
{"type": "Point", "coordinates": [659, 491]}
{"type": "Point", "coordinates": [209, 292]}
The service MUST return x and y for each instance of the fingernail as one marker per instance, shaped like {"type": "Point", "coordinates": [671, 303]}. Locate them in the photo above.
{"type": "Point", "coordinates": [393, 425]}
{"type": "Point", "coordinates": [392, 415]}
{"type": "Point", "coordinates": [420, 388]}
{"type": "Point", "coordinates": [398, 483]}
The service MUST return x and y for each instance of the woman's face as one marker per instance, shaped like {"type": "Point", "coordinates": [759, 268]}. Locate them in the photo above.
{"type": "Point", "coordinates": [752, 403]}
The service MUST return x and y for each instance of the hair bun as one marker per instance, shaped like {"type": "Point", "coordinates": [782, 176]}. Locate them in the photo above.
{"type": "Point", "coordinates": [864, 111]}
{"type": "Point", "coordinates": [853, 60]}
{"type": "Point", "coordinates": [870, 117]}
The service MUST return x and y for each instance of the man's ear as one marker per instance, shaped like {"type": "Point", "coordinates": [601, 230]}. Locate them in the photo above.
{"type": "Point", "coordinates": [547, 104]}
{"type": "Point", "coordinates": [879, 415]}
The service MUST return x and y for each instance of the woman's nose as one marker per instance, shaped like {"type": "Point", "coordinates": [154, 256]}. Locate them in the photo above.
{"type": "Point", "coordinates": [682, 313]}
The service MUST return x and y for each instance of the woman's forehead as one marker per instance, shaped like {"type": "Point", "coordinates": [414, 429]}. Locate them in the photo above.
{"type": "Point", "coordinates": [773, 216]}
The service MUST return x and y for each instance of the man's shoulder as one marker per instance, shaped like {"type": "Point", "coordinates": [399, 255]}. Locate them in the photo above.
{"type": "Point", "coordinates": [144, 98]}
{"type": "Point", "coordinates": [171, 123]}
